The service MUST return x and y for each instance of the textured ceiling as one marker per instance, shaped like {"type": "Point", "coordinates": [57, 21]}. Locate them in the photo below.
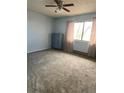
{"type": "Point", "coordinates": [80, 7]}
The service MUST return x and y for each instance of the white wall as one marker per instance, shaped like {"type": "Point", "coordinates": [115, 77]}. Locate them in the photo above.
{"type": "Point", "coordinates": [60, 26]}
{"type": "Point", "coordinates": [39, 29]}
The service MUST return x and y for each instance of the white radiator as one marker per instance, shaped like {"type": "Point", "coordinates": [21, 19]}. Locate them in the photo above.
{"type": "Point", "coordinates": [80, 45]}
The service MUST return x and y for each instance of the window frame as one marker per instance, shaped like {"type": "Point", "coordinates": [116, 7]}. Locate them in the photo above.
{"type": "Point", "coordinates": [82, 33]}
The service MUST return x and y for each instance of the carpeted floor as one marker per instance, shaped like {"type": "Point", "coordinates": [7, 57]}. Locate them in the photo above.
{"type": "Point", "coordinates": [54, 71]}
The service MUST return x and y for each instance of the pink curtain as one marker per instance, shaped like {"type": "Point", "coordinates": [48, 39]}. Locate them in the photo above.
{"type": "Point", "coordinates": [69, 37]}
{"type": "Point", "coordinates": [92, 46]}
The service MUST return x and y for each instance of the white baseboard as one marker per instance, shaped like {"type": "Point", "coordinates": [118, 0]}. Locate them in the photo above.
{"type": "Point", "coordinates": [37, 50]}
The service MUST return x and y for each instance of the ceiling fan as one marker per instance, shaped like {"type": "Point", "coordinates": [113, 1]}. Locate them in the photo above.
{"type": "Point", "coordinates": [60, 5]}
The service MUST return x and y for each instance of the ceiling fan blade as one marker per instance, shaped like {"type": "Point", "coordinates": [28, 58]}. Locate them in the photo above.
{"type": "Point", "coordinates": [57, 2]}
{"type": "Point", "coordinates": [50, 5]}
{"type": "Point", "coordinates": [66, 9]}
{"type": "Point", "coordinates": [68, 5]}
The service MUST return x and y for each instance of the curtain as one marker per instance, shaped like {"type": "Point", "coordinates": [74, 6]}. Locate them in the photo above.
{"type": "Point", "coordinates": [69, 37]}
{"type": "Point", "coordinates": [92, 46]}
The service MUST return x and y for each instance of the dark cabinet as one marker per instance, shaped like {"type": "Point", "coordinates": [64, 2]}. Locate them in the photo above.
{"type": "Point", "coordinates": [57, 40]}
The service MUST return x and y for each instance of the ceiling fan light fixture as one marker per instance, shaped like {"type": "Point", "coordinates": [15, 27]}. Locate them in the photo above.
{"type": "Point", "coordinates": [60, 6]}
{"type": "Point", "coordinates": [58, 10]}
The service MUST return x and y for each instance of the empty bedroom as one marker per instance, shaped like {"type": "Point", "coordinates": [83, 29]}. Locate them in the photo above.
{"type": "Point", "coordinates": [61, 46]}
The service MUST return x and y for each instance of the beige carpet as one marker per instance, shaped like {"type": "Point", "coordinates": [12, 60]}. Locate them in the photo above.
{"type": "Point", "coordinates": [53, 71]}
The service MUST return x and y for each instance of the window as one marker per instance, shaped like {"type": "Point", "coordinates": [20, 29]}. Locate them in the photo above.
{"type": "Point", "coordinates": [82, 30]}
